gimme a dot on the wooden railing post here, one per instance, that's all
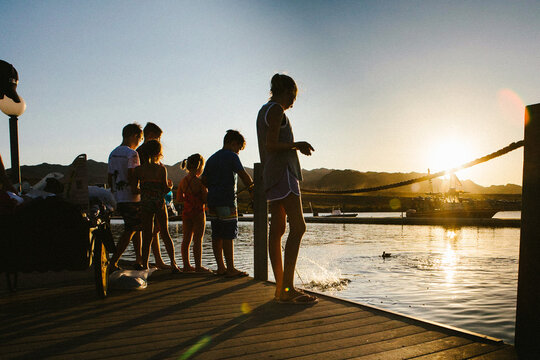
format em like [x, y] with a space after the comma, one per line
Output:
[260, 226]
[527, 335]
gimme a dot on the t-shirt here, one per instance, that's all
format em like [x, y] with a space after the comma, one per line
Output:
[220, 173]
[120, 160]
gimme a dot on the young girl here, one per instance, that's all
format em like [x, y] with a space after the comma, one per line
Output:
[281, 174]
[192, 193]
[151, 177]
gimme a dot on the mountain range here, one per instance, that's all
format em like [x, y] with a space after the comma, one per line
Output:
[321, 179]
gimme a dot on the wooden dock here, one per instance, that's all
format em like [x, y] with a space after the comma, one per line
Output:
[58, 316]
[511, 223]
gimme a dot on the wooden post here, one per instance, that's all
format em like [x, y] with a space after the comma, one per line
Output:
[527, 334]
[14, 142]
[260, 226]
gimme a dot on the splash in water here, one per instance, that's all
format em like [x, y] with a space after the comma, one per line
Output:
[317, 277]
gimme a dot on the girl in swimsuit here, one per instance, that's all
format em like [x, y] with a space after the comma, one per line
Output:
[151, 178]
[192, 193]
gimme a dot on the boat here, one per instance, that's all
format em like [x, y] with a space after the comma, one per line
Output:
[335, 213]
[338, 213]
[450, 205]
[453, 213]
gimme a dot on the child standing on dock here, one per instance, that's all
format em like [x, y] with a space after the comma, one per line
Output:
[152, 132]
[192, 193]
[281, 176]
[122, 163]
[153, 182]
[220, 177]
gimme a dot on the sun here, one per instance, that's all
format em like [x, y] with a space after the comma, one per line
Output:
[449, 153]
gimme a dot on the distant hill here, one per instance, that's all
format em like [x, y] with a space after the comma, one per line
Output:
[322, 179]
[325, 179]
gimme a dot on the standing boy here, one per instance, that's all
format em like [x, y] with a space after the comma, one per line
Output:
[220, 177]
[122, 162]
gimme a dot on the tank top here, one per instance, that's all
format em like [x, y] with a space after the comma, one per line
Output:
[276, 162]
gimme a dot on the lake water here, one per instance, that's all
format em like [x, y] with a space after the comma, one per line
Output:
[464, 277]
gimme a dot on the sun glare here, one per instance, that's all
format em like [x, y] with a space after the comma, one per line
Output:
[449, 153]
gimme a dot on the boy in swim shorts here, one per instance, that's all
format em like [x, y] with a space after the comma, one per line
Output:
[219, 176]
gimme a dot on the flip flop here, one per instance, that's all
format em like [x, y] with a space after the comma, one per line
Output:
[216, 273]
[300, 299]
[238, 274]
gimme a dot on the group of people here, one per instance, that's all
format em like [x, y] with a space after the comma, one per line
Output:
[139, 183]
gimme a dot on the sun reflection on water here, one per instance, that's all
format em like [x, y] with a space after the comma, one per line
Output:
[448, 263]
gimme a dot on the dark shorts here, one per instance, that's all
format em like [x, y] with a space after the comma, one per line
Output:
[287, 185]
[130, 212]
[224, 222]
[224, 229]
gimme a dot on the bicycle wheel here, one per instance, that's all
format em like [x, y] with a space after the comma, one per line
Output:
[101, 266]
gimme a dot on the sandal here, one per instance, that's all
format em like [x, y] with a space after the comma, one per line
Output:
[300, 299]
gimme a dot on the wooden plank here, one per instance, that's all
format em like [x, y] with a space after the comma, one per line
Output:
[422, 348]
[461, 352]
[195, 326]
[311, 345]
[506, 353]
[212, 318]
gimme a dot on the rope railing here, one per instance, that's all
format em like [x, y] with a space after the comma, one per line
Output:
[493, 155]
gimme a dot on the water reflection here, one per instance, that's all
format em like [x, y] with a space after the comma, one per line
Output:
[465, 277]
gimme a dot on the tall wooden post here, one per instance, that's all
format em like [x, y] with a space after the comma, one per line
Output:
[527, 335]
[260, 226]
[14, 142]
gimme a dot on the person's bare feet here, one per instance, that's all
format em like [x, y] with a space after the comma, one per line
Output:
[162, 266]
[235, 273]
[202, 269]
[187, 269]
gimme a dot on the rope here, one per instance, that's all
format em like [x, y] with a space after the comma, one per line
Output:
[504, 150]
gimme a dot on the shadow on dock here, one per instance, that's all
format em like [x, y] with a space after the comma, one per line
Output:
[58, 316]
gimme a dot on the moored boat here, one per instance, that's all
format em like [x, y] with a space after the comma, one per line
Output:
[338, 213]
[453, 213]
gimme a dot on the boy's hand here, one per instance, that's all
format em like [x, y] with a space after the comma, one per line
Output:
[304, 147]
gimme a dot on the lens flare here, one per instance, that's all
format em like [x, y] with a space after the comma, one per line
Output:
[395, 204]
[511, 106]
[198, 346]
[246, 309]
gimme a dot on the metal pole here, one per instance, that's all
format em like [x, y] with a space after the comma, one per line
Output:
[14, 142]
[527, 333]
[260, 226]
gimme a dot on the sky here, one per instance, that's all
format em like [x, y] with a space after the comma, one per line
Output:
[388, 86]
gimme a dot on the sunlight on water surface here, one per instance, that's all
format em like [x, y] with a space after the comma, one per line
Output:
[464, 277]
